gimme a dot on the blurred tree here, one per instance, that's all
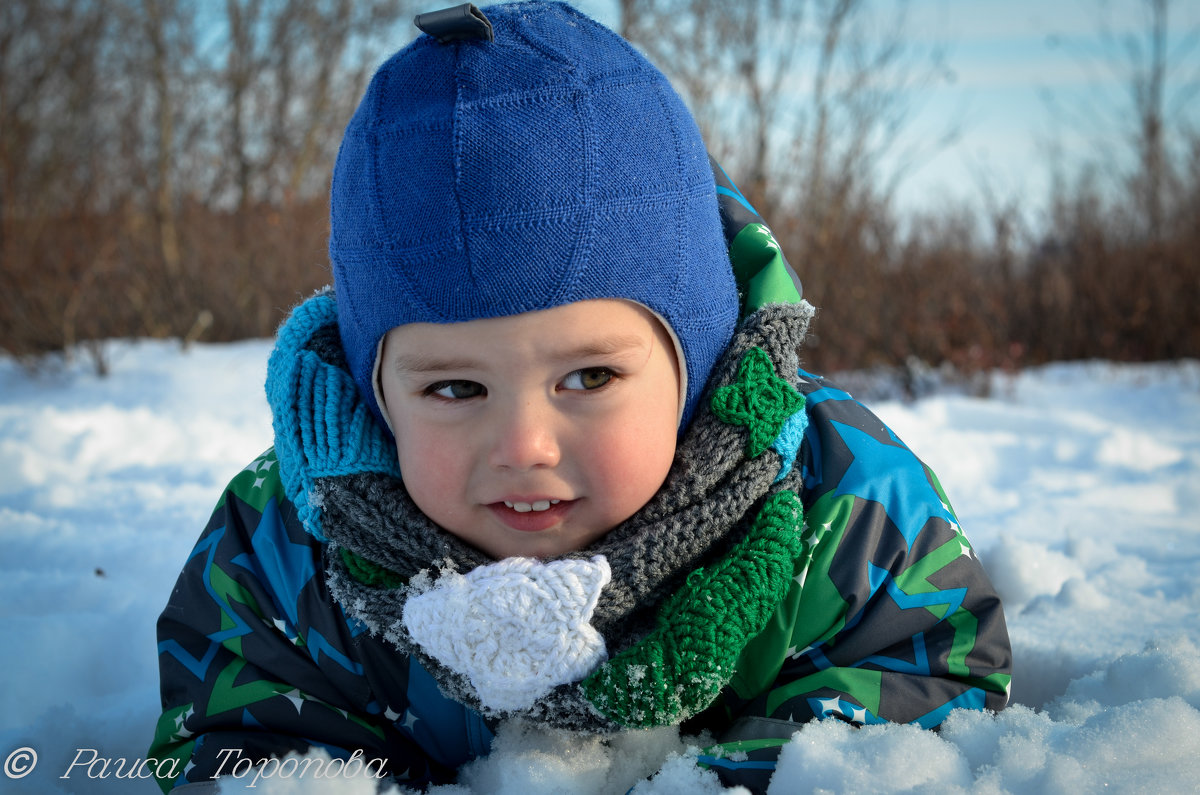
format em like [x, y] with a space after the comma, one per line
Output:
[802, 99]
[164, 164]
[1122, 241]
[164, 169]
[803, 102]
[54, 161]
[1139, 118]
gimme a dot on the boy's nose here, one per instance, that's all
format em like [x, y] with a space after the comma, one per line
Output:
[524, 438]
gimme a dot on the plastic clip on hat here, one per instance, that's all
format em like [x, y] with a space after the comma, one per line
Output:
[521, 158]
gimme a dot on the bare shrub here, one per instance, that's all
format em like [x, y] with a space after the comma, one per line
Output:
[158, 181]
[156, 184]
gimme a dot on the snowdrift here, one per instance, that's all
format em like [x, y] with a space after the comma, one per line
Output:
[1078, 484]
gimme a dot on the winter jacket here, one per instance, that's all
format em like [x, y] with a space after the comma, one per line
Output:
[801, 563]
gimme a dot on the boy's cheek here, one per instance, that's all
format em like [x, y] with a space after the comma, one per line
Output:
[634, 463]
[429, 462]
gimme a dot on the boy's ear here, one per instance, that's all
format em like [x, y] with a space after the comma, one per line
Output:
[763, 274]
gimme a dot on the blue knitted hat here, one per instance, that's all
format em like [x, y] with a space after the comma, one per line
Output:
[553, 164]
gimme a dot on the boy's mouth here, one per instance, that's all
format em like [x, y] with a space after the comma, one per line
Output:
[526, 507]
[532, 516]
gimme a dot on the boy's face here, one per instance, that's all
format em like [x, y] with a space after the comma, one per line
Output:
[535, 434]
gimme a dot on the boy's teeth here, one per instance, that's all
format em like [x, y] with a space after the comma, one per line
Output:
[526, 507]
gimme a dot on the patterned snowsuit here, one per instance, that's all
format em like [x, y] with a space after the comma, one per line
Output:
[843, 588]
[886, 616]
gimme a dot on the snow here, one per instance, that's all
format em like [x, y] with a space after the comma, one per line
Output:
[1078, 484]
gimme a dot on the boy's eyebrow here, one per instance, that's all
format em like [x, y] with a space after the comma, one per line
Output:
[423, 363]
[601, 346]
[420, 363]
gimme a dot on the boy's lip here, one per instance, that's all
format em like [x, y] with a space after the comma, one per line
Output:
[530, 521]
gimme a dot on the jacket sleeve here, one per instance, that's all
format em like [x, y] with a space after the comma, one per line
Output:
[255, 658]
[894, 619]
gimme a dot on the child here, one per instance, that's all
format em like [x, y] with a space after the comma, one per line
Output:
[538, 455]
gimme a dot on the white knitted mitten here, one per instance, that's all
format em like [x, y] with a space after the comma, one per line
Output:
[516, 628]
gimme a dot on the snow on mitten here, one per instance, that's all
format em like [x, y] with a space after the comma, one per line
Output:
[516, 628]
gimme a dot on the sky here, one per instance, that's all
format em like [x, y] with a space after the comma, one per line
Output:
[1030, 75]
[1023, 71]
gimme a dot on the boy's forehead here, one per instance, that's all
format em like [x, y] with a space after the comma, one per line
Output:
[606, 324]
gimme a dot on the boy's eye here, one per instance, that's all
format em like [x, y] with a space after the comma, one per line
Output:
[456, 390]
[588, 378]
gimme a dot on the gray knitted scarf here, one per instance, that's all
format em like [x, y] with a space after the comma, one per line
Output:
[720, 504]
